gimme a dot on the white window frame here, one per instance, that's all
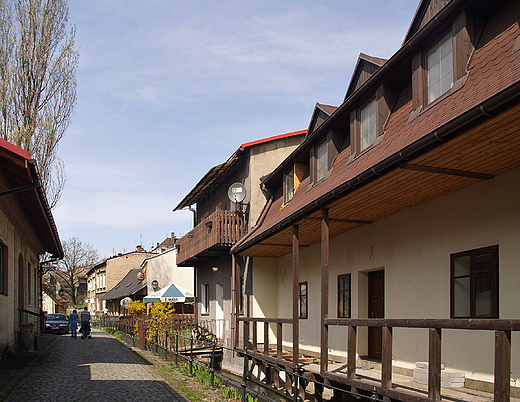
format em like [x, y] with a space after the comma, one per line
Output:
[368, 125]
[440, 68]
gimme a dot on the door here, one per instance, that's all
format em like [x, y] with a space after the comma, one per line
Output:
[376, 309]
[219, 311]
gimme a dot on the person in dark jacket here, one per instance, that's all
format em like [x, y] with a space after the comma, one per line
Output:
[85, 323]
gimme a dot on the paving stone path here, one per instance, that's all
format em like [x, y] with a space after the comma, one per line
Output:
[88, 370]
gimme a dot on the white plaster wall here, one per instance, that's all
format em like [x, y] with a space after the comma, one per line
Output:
[265, 295]
[163, 268]
[414, 247]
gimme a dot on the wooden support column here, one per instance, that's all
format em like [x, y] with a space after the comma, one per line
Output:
[266, 338]
[245, 334]
[502, 366]
[255, 336]
[351, 357]
[279, 335]
[434, 365]
[325, 244]
[386, 369]
[296, 274]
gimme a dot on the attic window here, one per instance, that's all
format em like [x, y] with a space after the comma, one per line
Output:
[289, 186]
[368, 132]
[321, 161]
[292, 180]
[440, 68]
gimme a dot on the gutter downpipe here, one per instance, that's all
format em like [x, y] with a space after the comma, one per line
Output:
[441, 135]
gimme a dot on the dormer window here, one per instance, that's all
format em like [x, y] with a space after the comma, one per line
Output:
[439, 60]
[368, 132]
[289, 186]
[321, 161]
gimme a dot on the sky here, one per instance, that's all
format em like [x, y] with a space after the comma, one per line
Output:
[167, 89]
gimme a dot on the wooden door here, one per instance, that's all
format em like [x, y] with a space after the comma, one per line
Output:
[376, 309]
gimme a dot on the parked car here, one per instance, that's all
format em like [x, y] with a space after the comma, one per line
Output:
[57, 323]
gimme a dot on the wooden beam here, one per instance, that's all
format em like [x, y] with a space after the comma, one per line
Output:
[451, 172]
[266, 338]
[502, 389]
[279, 335]
[340, 220]
[325, 250]
[386, 358]
[296, 274]
[351, 350]
[434, 365]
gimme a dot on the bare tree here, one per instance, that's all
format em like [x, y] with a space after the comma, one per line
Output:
[78, 258]
[38, 63]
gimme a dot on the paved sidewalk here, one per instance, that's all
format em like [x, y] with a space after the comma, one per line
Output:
[97, 369]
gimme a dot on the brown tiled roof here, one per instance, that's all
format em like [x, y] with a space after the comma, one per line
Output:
[494, 72]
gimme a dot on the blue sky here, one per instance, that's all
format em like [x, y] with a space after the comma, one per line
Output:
[168, 89]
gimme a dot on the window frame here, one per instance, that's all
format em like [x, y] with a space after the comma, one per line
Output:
[372, 101]
[324, 159]
[303, 300]
[204, 298]
[473, 275]
[4, 270]
[342, 293]
[438, 43]
[286, 187]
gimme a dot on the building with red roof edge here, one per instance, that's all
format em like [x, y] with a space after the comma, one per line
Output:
[226, 203]
[27, 231]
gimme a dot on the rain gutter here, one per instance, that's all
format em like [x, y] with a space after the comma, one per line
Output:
[483, 111]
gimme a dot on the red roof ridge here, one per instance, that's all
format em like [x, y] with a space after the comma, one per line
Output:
[14, 149]
[273, 138]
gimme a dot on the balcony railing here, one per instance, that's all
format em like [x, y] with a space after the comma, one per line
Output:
[216, 233]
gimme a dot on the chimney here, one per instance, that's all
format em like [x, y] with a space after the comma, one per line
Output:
[139, 249]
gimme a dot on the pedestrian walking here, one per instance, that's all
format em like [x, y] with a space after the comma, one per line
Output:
[73, 323]
[85, 323]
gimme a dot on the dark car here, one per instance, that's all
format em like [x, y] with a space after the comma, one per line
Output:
[57, 323]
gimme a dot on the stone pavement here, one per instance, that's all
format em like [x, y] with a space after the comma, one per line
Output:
[97, 369]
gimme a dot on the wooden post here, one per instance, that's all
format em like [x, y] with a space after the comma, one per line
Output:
[279, 340]
[324, 355]
[434, 365]
[255, 336]
[234, 312]
[502, 366]
[266, 338]
[296, 269]
[386, 370]
[351, 357]
[245, 335]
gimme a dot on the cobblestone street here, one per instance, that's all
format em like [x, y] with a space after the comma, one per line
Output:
[101, 368]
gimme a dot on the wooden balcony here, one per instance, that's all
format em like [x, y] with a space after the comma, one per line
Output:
[215, 235]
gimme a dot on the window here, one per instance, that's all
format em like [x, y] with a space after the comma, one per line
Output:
[204, 298]
[439, 64]
[368, 131]
[241, 298]
[321, 161]
[474, 283]
[302, 297]
[289, 186]
[3, 269]
[344, 296]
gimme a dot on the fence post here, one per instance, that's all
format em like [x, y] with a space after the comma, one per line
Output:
[244, 374]
[191, 356]
[176, 349]
[212, 385]
[296, 382]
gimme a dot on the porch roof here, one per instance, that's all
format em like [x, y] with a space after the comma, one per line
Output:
[468, 136]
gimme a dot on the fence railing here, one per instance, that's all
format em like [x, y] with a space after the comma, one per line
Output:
[502, 367]
[220, 229]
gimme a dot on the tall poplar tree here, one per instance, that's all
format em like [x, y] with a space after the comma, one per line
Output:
[38, 62]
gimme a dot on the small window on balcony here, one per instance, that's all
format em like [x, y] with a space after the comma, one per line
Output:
[303, 300]
[204, 298]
